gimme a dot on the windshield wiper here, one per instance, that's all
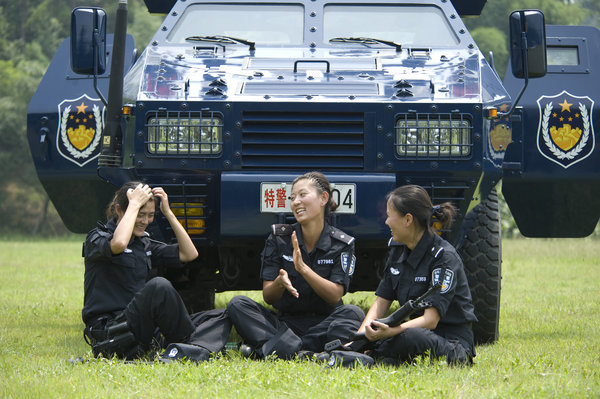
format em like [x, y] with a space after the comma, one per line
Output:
[366, 40]
[221, 39]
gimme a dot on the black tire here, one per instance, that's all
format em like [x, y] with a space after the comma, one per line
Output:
[481, 251]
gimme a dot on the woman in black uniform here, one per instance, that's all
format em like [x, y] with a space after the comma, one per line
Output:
[306, 269]
[118, 291]
[418, 259]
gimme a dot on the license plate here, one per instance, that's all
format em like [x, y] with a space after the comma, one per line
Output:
[274, 197]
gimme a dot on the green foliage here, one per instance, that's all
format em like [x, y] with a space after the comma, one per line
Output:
[30, 33]
[494, 40]
[548, 347]
[490, 30]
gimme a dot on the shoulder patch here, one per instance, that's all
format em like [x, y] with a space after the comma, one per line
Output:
[282, 229]
[341, 236]
[348, 262]
[447, 280]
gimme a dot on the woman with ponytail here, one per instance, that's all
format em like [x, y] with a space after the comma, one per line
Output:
[306, 269]
[419, 259]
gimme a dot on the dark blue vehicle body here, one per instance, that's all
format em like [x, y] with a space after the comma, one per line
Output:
[222, 124]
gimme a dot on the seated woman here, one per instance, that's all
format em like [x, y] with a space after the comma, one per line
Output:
[306, 269]
[444, 329]
[118, 291]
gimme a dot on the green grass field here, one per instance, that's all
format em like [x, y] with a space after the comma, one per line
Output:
[549, 339]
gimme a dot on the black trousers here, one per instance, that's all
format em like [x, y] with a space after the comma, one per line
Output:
[268, 332]
[159, 306]
[414, 342]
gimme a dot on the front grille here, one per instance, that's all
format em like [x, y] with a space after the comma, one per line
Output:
[451, 192]
[189, 203]
[303, 140]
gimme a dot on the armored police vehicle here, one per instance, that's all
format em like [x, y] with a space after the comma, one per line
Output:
[231, 100]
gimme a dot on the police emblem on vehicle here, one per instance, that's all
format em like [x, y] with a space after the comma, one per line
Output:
[80, 123]
[565, 132]
[446, 282]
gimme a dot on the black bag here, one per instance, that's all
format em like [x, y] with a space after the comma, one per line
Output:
[349, 359]
[189, 352]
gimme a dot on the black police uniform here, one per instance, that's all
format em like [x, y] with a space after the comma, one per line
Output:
[306, 322]
[408, 274]
[119, 287]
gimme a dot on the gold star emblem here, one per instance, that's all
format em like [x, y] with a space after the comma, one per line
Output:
[81, 108]
[565, 106]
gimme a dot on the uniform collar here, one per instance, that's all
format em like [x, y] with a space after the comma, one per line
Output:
[324, 242]
[416, 255]
[111, 225]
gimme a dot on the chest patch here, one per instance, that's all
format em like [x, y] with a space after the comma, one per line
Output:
[127, 251]
[288, 258]
[447, 281]
[325, 262]
[420, 279]
[394, 271]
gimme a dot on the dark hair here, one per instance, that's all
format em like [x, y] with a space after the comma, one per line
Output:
[121, 199]
[414, 199]
[320, 182]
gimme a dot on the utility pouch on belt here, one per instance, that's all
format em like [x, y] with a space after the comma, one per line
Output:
[112, 337]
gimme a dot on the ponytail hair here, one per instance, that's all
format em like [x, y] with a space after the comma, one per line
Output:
[121, 199]
[414, 199]
[322, 185]
[444, 214]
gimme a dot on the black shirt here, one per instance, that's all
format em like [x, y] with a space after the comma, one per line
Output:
[408, 274]
[111, 281]
[332, 258]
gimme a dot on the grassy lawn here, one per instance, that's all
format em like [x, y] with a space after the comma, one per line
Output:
[549, 339]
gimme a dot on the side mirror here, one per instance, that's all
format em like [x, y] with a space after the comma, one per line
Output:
[88, 41]
[528, 44]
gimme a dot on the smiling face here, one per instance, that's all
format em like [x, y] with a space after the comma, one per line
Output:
[398, 224]
[306, 202]
[144, 217]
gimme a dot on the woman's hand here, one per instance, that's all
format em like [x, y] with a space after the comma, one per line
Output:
[164, 199]
[285, 281]
[139, 196]
[375, 330]
[299, 264]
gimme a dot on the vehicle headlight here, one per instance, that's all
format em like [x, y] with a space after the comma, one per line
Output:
[181, 133]
[433, 137]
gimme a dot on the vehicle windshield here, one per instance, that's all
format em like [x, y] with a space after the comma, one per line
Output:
[269, 24]
[410, 26]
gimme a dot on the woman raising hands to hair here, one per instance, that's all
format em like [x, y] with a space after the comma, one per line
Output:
[119, 288]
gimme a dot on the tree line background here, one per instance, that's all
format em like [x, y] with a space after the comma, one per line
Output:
[32, 30]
